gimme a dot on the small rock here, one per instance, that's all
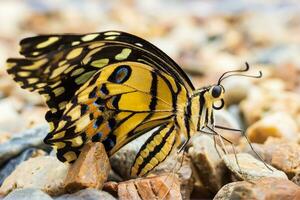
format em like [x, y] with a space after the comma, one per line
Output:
[207, 162]
[87, 194]
[113, 176]
[236, 89]
[45, 173]
[249, 168]
[10, 166]
[284, 155]
[261, 102]
[27, 194]
[20, 142]
[158, 187]
[279, 125]
[226, 119]
[181, 165]
[9, 117]
[262, 189]
[111, 187]
[90, 170]
[296, 178]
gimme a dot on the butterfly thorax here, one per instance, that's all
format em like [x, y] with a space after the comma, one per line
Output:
[200, 108]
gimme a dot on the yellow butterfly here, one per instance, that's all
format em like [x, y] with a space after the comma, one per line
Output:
[113, 87]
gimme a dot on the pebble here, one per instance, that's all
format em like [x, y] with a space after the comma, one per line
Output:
[90, 170]
[207, 162]
[181, 165]
[249, 168]
[30, 138]
[165, 186]
[280, 125]
[284, 155]
[10, 166]
[87, 194]
[266, 188]
[27, 194]
[45, 173]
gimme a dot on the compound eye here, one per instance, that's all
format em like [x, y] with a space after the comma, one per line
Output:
[216, 91]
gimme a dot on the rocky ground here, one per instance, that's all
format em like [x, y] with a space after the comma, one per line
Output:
[206, 38]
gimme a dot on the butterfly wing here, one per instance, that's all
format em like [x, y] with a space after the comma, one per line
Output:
[119, 103]
[58, 65]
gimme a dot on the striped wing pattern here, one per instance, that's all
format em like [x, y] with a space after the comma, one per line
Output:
[109, 87]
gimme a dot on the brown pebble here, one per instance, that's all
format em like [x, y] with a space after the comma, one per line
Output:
[111, 187]
[90, 170]
[265, 189]
[165, 186]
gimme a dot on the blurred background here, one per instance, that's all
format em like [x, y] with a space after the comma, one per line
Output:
[204, 37]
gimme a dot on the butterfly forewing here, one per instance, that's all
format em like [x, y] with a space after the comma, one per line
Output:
[109, 87]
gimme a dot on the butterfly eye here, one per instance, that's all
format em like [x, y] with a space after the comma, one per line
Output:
[216, 91]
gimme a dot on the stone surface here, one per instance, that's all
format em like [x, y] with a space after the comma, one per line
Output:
[267, 101]
[111, 187]
[226, 119]
[45, 173]
[179, 164]
[90, 170]
[296, 178]
[283, 154]
[87, 194]
[165, 186]
[20, 142]
[249, 168]
[279, 125]
[27, 194]
[207, 162]
[10, 166]
[262, 189]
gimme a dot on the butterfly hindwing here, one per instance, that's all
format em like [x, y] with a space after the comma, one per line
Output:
[114, 107]
[155, 150]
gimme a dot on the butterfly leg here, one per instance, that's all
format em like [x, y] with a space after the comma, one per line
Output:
[248, 141]
[221, 138]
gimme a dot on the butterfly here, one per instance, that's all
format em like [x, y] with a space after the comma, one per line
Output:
[112, 87]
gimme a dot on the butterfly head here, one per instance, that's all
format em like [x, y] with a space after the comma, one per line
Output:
[212, 97]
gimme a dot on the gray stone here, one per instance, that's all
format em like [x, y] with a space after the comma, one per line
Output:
[27, 194]
[44, 172]
[246, 167]
[10, 166]
[87, 194]
[30, 138]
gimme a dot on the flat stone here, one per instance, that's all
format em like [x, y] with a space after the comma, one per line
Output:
[250, 168]
[179, 164]
[27, 194]
[10, 166]
[266, 188]
[284, 155]
[45, 173]
[87, 194]
[165, 186]
[21, 141]
[90, 170]
[207, 162]
[280, 125]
